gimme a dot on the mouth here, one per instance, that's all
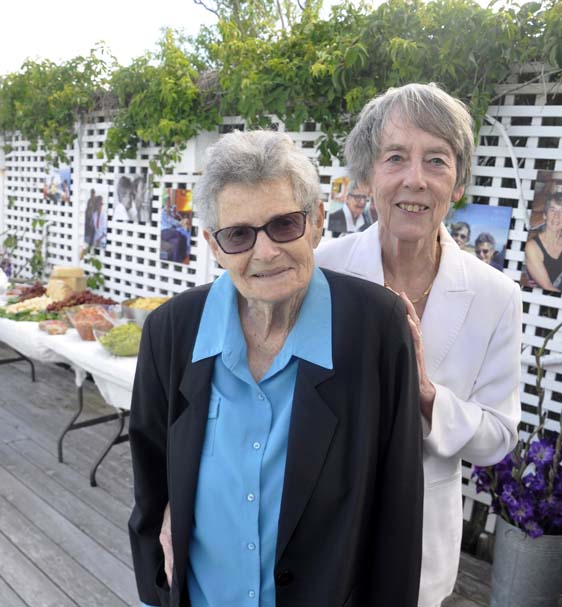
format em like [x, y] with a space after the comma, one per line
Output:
[270, 273]
[412, 207]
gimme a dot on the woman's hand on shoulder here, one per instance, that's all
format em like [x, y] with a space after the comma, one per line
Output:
[166, 543]
[427, 389]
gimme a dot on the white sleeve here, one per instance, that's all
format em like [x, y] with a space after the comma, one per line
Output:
[483, 429]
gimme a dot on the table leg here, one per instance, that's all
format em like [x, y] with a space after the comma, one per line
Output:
[115, 440]
[20, 357]
[70, 425]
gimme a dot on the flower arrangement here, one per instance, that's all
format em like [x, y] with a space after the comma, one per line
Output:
[526, 486]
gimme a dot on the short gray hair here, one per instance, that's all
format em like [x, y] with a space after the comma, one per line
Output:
[425, 106]
[484, 237]
[251, 158]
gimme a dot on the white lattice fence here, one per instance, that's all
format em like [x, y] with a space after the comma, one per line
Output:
[523, 135]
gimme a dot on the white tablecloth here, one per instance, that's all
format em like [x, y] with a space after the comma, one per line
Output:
[113, 375]
[26, 338]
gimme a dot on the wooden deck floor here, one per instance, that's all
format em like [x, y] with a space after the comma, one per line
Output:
[62, 542]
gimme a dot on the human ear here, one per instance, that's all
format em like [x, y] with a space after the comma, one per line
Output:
[457, 193]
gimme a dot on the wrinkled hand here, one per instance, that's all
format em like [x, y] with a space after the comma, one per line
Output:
[166, 543]
[427, 389]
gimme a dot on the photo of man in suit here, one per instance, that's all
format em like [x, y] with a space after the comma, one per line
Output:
[354, 214]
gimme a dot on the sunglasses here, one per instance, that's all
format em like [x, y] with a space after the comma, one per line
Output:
[284, 228]
[460, 235]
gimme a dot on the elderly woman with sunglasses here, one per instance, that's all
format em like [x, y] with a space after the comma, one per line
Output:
[413, 147]
[276, 410]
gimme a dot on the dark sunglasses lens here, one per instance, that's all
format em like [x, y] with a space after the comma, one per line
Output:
[287, 227]
[236, 239]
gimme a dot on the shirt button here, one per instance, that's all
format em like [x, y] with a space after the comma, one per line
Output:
[256, 445]
[252, 594]
[251, 546]
[250, 497]
[261, 396]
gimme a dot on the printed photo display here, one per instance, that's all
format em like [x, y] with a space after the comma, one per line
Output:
[481, 230]
[351, 208]
[95, 218]
[175, 225]
[56, 187]
[132, 198]
[543, 251]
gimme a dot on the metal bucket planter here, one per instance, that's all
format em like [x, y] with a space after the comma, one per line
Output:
[526, 572]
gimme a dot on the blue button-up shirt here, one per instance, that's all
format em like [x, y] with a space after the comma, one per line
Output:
[234, 536]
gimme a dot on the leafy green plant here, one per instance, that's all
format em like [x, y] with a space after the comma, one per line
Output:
[44, 100]
[96, 279]
[36, 262]
[272, 60]
[161, 103]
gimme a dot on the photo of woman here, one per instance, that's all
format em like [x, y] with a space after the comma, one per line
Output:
[543, 251]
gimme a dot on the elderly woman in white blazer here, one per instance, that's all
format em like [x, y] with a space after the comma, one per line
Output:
[413, 146]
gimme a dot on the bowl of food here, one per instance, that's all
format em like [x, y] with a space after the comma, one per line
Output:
[122, 339]
[86, 318]
[139, 308]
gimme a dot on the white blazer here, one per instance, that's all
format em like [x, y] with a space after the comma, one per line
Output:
[471, 330]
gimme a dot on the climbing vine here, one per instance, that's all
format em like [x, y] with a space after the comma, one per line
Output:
[301, 68]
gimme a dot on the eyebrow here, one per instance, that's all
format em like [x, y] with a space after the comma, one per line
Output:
[397, 147]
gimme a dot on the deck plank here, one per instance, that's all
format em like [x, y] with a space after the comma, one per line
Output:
[50, 558]
[94, 558]
[69, 521]
[8, 597]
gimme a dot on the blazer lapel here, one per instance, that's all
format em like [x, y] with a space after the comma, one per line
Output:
[364, 258]
[313, 425]
[186, 437]
[447, 305]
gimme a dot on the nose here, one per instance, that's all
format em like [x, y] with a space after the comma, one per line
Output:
[414, 178]
[265, 248]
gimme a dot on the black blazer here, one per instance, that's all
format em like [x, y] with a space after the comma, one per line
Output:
[350, 525]
[337, 223]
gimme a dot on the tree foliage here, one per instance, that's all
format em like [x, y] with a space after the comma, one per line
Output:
[43, 100]
[276, 58]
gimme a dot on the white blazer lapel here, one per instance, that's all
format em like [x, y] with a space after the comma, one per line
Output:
[447, 305]
[364, 258]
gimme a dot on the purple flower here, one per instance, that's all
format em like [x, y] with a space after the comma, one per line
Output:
[535, 481]
[541, 453]
[510, 494]
[520, 510]
[482, 478]
[533, 529]
[550, 507]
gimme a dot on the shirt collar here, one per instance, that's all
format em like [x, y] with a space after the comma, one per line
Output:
[310, 339]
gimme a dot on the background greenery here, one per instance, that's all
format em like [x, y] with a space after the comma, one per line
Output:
[276, 57]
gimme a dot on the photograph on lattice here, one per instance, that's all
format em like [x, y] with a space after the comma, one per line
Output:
[95, 218]
[56, 187]
[543, 251]
[481, 230]
[350, 207]
[132, 199]
[175, 225]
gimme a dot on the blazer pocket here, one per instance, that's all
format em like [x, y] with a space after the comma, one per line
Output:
[211, 428]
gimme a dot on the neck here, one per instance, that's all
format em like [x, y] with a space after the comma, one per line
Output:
[262, 321]
[409, 265]
[551, 237]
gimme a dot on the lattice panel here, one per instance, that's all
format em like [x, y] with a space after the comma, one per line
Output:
[523, 136]
[22, 201]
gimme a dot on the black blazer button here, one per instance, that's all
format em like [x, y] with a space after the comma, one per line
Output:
[284, 578]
